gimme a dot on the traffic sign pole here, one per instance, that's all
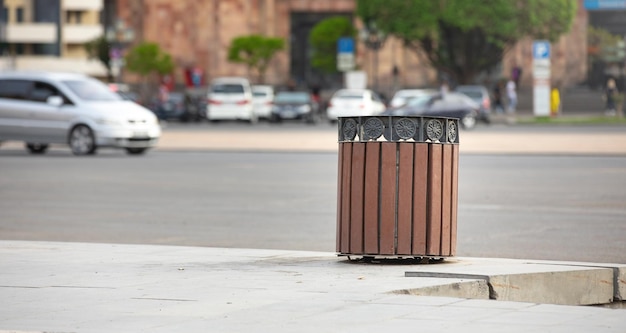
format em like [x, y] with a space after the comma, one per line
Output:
[541, 78]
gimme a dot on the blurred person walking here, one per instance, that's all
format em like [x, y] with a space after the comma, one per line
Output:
[498, 104]
[511, 94]
[610, 94]
[555, 102]
[516, 74]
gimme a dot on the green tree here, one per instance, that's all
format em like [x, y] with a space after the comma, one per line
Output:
[150, 62]
[255, 51]
[599, 41]
[147, 58]
[323, 39]
[463, 38]
[99, 48]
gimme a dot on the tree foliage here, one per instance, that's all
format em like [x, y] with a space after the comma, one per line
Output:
[463, 38]
[99, 48]
[255, 51]
[148, 58]
[323, 39]
[599, 41]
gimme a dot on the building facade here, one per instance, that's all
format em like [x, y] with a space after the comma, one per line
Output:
[50, 35]
[198, 33]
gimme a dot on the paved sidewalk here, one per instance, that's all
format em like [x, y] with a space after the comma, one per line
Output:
[611, 143]
[77, 287]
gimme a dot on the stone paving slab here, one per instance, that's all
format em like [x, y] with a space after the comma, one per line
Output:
[79, 287]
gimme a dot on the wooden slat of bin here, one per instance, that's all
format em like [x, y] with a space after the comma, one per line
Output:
[433, 238]
[405, 197]
[345, 196]
[446, 199]
[388, 198]
[455, 198]
[356, 200]
[371, 195]
[339, 183]
[420, 187]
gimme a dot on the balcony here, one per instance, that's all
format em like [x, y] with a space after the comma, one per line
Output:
[80, 34]
[30, 33]
[82, 5]
[46, 63]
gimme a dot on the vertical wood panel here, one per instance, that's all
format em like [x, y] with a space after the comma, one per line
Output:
[405, 197]
[446, 199]
[356, 200]
[388, 198]
[339, 184]
[433, 239]
[455, 199]
[420, 187]
[345, 197]
[372, 174]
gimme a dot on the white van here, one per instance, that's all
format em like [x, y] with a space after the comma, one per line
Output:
[47, 108]
[262, 99]
[230, 98]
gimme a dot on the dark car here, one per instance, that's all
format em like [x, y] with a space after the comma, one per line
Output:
[480, 95]
[294, 105]
[450, 104]
[172, 108]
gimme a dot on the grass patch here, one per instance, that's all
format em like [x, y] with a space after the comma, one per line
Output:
[565, 120]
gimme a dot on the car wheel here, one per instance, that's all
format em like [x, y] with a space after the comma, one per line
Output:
[469, 121]
[274, 119]
[36, 148]
[82, 141]
[311, 119]
[253, 119]
[136, 151]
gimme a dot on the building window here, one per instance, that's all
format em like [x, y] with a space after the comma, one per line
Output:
[4, 14]
[74, 17]
[19, 14]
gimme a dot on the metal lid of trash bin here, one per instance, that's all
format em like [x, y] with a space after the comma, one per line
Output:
[399, 129]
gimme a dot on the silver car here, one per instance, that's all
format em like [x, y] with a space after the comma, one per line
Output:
[47, 108]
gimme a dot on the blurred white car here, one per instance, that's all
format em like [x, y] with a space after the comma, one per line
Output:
[262, 98]
[402, 96]
[354, 102]
[230, 98]
[45, 108]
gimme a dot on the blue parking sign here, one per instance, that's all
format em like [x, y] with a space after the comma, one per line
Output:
[541, 49]
[345, 45]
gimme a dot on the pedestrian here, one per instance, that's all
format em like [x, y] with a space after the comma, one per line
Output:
[498, 105]
[516, 74]
[555, 101]
[610, 93]
[445, 87]
[511, 94]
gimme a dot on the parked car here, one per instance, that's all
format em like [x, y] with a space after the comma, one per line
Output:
[172, 108]
[262, 98]
[451, 104]
[480, 95]
[354, 102]
[402, 96]
[46, 108]
[294, 105]
[195, 106]
[230, 98]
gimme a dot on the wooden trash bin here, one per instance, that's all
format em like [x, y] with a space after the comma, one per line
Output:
[397, 186]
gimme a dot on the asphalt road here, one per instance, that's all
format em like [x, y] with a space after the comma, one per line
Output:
[537, 206]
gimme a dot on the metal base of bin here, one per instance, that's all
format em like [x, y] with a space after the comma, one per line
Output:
[393, 260]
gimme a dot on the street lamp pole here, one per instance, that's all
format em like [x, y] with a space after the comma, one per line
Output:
[374, 39]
